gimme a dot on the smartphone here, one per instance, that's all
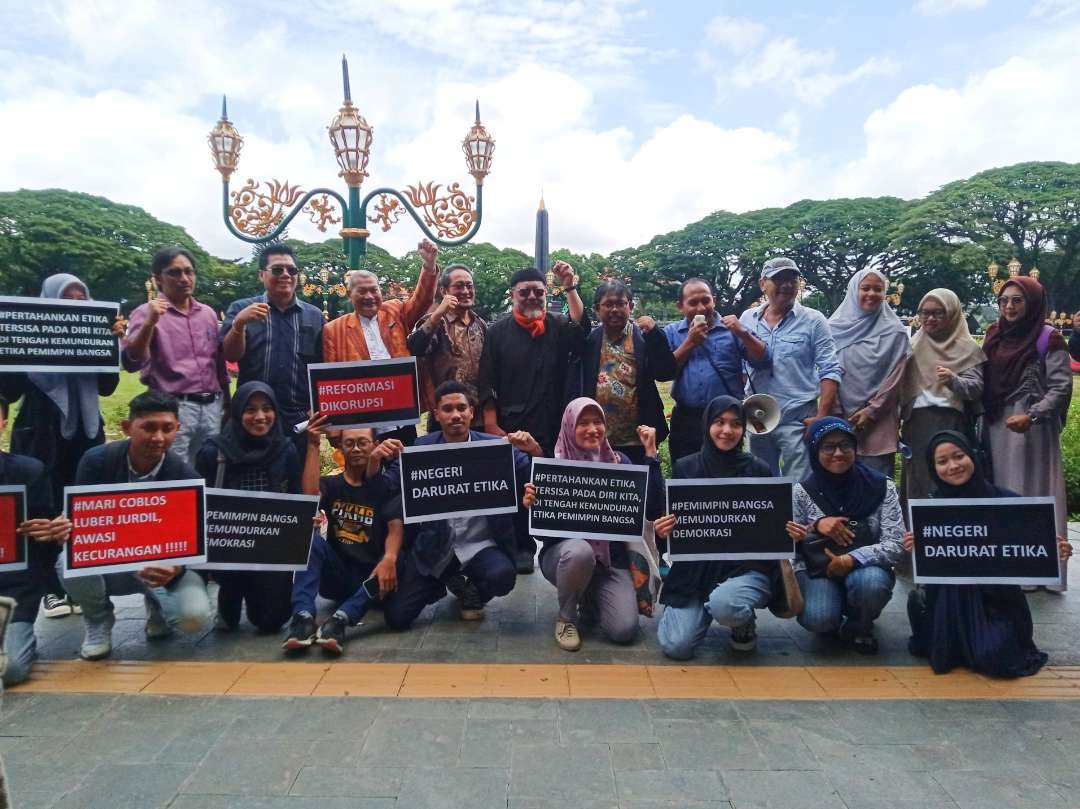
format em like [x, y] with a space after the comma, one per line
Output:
[371, 587]
[699, 320]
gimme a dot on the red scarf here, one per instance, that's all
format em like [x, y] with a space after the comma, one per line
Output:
[535, 327]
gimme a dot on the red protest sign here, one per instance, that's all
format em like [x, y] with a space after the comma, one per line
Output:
[120, 527]
[12, 513]
[373, 393]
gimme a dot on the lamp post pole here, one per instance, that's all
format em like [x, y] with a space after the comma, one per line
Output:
[259, 213]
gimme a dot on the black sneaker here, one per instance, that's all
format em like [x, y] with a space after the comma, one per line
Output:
[301, 632]
[744, 638]
[472, 606]
[457, 584]
[331, 635]
[56, 606]
[524, 563]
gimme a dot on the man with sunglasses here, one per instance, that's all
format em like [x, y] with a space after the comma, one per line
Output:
[172, 341]
[523, 369]
[274, 336]
[450, 340]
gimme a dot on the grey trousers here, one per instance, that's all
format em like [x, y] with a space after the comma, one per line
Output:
[197, 423]
[572, 568]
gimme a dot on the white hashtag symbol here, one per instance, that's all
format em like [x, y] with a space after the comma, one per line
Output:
[926, 532]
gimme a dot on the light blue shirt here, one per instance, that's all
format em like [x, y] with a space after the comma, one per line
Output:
[713, 368]
[803, 354]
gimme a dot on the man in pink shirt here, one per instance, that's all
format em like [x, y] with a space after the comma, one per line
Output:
[173, 342]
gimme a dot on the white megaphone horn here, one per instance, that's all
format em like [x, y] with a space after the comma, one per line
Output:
[762, 413]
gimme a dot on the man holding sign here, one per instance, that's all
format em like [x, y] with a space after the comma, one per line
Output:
[23, 514]
[471, 555]
[175, 597]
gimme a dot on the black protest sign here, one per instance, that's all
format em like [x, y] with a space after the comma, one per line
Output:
[466, 479]
[1000, 540]
[371, 393]
[730, 518]
[586, 500]
[12, 543]
[258, 530]
[45, 334]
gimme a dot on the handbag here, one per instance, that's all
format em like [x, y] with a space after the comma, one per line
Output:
[787, 600]
[814, 545]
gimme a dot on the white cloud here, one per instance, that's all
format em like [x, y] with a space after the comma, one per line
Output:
[737, 34]
[1055, 10]
[930, 135]
[937, 8]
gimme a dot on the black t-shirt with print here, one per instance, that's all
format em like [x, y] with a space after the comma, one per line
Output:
[356, 518]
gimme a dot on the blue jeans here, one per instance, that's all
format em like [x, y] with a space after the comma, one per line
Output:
[732, 604]
[859, 598]
[20, 647]
[334, 578]
[785, 445]
[183, 602]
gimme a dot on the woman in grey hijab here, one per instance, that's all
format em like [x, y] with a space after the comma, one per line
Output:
[873, 349]
[59, 419]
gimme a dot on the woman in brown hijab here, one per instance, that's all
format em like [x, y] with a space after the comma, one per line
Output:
[1026, 396]
[942, 385]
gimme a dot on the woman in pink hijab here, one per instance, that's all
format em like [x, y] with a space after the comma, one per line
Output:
[595, 572]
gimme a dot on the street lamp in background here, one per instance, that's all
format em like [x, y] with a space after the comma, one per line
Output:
[259, 213]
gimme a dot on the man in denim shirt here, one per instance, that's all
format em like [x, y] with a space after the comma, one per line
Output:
[804, 377]
[710, 359]
[274, 336]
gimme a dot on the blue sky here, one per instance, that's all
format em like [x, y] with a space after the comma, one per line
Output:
[635, 117]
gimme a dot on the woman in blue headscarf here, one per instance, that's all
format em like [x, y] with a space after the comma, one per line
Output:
[850, 530]
[59, 419]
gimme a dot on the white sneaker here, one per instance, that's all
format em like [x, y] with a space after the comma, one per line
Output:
[97, 642]
[156, 625]
[566, 635]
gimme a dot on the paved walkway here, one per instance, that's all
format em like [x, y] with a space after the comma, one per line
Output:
[493, 715]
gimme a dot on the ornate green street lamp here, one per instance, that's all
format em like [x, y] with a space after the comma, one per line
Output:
[258, 214]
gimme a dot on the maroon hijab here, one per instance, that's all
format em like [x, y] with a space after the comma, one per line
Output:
[1009, 347]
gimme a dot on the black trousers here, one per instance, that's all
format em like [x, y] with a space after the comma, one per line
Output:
[268, 596]
[686, 434]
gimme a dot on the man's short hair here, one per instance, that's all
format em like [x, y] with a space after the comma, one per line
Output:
[153, 401]
[693, 280]
[444, 279]
[165, 256]
[449, 387]
[275, 249]
[356, 275]
[3, 408]
[612, 287]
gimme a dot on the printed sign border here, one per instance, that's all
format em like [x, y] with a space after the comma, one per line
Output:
[19, 491]
[365, 364]
[259, 567]
[475, 512]
[65, 369]
[608, 537]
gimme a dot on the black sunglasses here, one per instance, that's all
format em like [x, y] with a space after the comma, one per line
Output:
[278, 269]
[530, 292]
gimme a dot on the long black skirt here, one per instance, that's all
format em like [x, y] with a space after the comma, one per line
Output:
[983, 628]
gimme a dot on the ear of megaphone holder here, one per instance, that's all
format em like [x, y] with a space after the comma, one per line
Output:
[762, 413]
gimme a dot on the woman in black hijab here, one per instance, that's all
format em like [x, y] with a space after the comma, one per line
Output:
[697, 593]
[252, 453]
[986, 628]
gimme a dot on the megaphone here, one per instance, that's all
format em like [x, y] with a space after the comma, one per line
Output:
[762, 413]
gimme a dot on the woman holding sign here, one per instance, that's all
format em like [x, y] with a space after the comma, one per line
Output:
[850, 533]
[986, 628]
[1026, 397]
[252, 454]
[594, 573]
[700, 592]
[59, 419]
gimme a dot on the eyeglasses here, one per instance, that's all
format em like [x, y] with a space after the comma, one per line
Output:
[932, 314]
[1010, 300]
[622, 303]
[177, 272]
[462, 285]
[833, 447]
[279, 269]
[530, 292]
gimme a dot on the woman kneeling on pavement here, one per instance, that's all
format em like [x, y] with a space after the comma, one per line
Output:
[252, 453]
[986, 628]
[849, 532]
[593, 576]
[697, 593]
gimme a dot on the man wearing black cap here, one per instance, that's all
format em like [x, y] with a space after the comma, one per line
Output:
[523, 368]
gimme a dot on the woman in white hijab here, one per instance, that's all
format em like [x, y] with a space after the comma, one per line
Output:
[942, 385]
[872, 347]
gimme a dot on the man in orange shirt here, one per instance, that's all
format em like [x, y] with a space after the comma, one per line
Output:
[377, 329]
